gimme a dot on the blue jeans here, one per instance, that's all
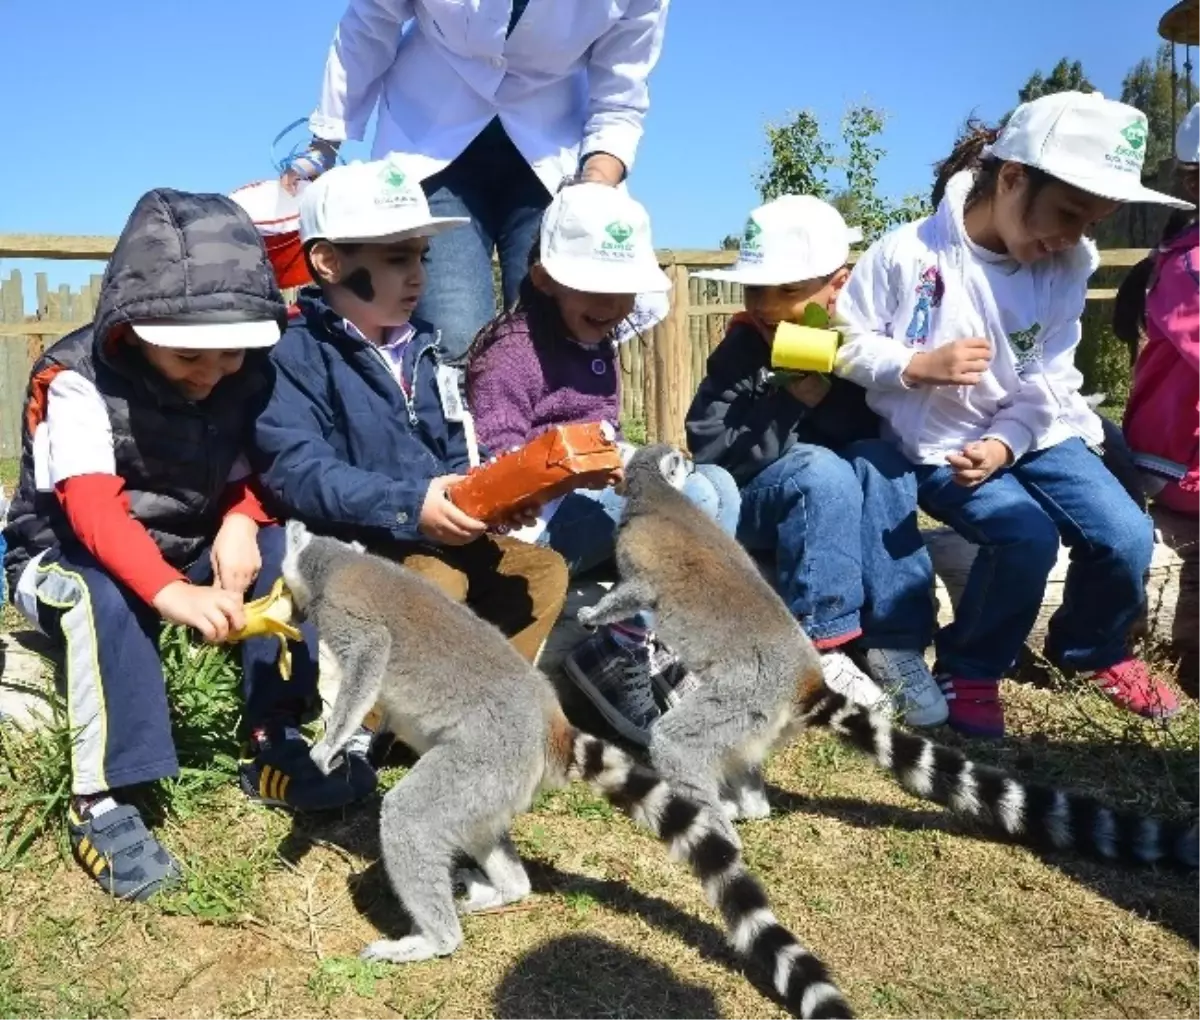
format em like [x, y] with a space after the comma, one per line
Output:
[1016, 518]
[583, 529]
[848, 551]
[492, 184]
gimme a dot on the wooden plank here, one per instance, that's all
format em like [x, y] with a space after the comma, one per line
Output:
[1123, 257]
[57, 326]
[672, 363]
[623, 390]
[649, 383]
[695, 335]
[637, 355]
[64, 302]
[1102, 294]
[716, 309]
[56, 246]
[15, 363]
[43, 288]
[97, 281]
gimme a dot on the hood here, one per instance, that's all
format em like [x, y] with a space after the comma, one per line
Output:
[187, 257]
[1080, 259]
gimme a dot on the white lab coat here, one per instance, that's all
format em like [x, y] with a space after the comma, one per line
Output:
[570, 80]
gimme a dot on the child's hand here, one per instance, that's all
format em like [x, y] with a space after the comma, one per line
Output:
[520, 519]
[214, 612]
[441, 521]
[961, 363]
[236, 560]
[810, 389]
[978, 462]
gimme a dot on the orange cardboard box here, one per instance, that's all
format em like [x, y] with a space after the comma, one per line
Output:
[565, 458]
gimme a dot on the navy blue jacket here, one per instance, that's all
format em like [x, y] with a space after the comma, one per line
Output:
[744, 423]
[340, 445]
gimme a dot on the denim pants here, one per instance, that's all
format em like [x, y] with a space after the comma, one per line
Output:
[583, 529]
[849, 556]
[1016, 518]
[492, 184]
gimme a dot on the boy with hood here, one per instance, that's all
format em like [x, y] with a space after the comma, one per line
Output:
[135, 506]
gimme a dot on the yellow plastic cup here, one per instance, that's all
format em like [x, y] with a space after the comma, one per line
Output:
[804, 348]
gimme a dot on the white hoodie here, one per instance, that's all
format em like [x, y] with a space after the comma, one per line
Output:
[925, 285]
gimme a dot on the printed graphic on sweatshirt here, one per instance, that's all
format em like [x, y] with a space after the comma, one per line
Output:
[929, 296]
[1026, 345]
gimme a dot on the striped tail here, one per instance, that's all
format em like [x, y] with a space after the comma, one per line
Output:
[797, 975]
[1039, 816]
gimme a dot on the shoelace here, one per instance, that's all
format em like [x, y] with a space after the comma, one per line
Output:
[638, 700]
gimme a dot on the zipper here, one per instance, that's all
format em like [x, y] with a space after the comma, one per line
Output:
[409, 401]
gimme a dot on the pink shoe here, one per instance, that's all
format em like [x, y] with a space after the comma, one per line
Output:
[975, 707]
[1132, 686]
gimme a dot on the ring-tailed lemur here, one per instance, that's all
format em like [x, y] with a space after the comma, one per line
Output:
[761, 684]
[490, 734]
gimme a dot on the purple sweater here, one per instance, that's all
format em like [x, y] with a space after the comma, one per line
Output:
[517, 391]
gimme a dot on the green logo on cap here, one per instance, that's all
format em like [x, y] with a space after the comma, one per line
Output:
[750, 236]
[394, 177]
[619, 231]
[1135, 135]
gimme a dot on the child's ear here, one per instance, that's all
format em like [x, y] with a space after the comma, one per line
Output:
[836, 283]
[542, 280]
[327, 261]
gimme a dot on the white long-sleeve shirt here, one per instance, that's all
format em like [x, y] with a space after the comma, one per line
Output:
[925, 285]
[568, 81]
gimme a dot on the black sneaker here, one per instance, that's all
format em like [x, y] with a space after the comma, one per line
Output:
[114, 846]
[281, 774]
[617, 681]
[672, 680]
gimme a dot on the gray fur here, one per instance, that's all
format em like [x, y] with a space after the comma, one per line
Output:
[717, 612]
[490, 734]
[761, 681]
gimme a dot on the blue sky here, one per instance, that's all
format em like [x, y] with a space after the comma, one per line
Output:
[107, 100]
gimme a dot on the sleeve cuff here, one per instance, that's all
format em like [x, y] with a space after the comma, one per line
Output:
[882, 369]
[1012, 434]
[152, 578]
[620, 141]
[332, 129]
[405, 513]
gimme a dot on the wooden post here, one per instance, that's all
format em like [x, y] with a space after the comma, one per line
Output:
[14, 366]
[672, 361]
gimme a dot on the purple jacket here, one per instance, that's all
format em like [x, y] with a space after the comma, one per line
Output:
[516, 391]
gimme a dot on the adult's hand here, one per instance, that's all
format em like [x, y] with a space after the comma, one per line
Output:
[601, 168]
[310, 164]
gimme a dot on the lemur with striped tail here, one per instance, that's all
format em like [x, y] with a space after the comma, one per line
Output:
[490, 734]
[760, 684]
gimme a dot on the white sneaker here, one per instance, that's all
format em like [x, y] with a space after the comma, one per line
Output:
[842, 676]
[909, 684]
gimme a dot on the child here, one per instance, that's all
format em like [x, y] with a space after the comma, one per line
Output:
[363, 433]
[839, 516]
[552, 360]
[134, 507]
[1162, 424]
[984, 399]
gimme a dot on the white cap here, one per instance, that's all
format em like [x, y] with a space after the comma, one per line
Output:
[1187, 138]
[790, 239]
[1082, 139]
[369, 203]
[596, 238]
[208, 336]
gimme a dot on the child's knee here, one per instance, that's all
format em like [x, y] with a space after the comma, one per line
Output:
[1037, 543]
[1129, 534]
[824, 477]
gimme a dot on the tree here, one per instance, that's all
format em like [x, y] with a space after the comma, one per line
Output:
[1148, 87]
[1065, 76]
[731, 242]
[801, 160]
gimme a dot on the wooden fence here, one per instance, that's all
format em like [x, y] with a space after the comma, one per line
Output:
[660, 370]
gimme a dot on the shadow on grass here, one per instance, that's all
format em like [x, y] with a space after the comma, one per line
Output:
[374, 900]
[586, 976]
[1128, 775]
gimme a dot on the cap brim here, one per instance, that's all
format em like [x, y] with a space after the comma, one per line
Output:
[1112, 190]
[209, 336]
[429, 228]
[764, 276]
[598, 278]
